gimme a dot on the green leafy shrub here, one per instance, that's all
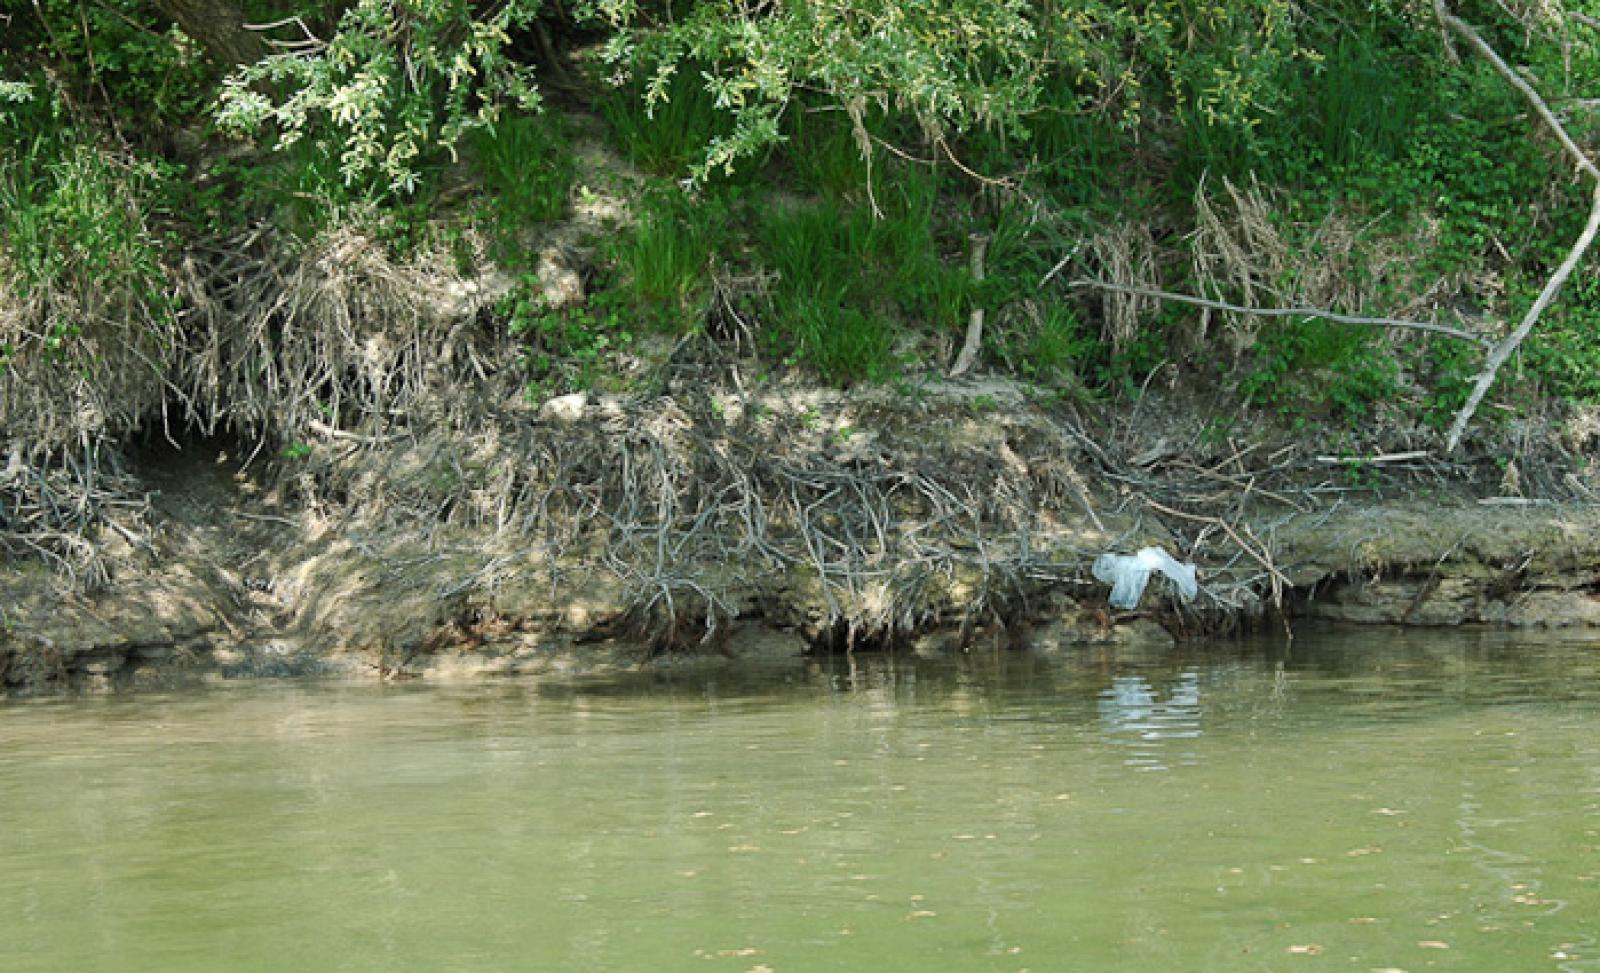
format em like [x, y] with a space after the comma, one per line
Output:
[88, 312]
[1565, 356]
[77, 217]
[119, 61]
[298, 188]
[394, 88]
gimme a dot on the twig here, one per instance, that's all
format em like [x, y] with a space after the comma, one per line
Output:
[1279, 580]
[1374, 460]
[1504, 349]
[1281, 312]
[1047, 278]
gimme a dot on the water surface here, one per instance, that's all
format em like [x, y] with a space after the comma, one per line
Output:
[1369, 801]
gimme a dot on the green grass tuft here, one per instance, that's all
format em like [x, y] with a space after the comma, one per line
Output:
[668, 134]
[527, 167]
[667, 259]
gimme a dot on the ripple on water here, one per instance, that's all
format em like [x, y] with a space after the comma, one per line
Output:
[1365, 797]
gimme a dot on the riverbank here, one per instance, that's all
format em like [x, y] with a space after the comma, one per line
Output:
[499, 452]
[719, 520]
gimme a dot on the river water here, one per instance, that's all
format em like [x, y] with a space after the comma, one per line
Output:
[1375, 800]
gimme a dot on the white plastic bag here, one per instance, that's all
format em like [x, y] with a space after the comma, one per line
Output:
[1127, 575]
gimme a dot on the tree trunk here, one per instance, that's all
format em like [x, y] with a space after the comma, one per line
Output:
[218, 27]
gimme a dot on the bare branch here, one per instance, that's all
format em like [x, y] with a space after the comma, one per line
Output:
[1477, 43]
[1501, 352]
[1375, 460]
[1282, 312]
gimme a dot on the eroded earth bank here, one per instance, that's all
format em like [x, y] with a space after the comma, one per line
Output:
[709, 522]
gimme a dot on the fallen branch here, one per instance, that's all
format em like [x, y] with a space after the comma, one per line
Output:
[1502, 351]
[1280, 312]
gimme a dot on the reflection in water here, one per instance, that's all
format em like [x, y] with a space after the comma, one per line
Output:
[1135, 716]
[1385, 801]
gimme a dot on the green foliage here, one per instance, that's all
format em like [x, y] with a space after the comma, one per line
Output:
[1333, 107]
[525, 166]
[849, 279]
[825, 154]
[397, 85]
[1068, 152]
[299, 187]
[1448, 369]
[115, 59]
[1097, 112]
[823, 149]
[1047, 347]
[1478, 172]
[1044, 342]
[841, 343]
[1566, 357]
[952, 67]
[667, 258]
[1356, 104]
[665, 125]
[88, 310]
[74, 217]
[964, 62]
[567, 349]
[1316, 367]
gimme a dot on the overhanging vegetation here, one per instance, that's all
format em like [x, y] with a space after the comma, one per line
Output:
[330, 223]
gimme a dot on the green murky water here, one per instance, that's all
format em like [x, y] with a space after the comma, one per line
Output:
[1372, 801]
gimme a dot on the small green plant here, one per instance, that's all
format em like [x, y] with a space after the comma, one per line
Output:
[1360, 476]
[850, 277]
[841, 343]
[296, 451]
[569, 348]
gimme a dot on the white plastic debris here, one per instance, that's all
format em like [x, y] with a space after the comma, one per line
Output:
[1127, 575]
